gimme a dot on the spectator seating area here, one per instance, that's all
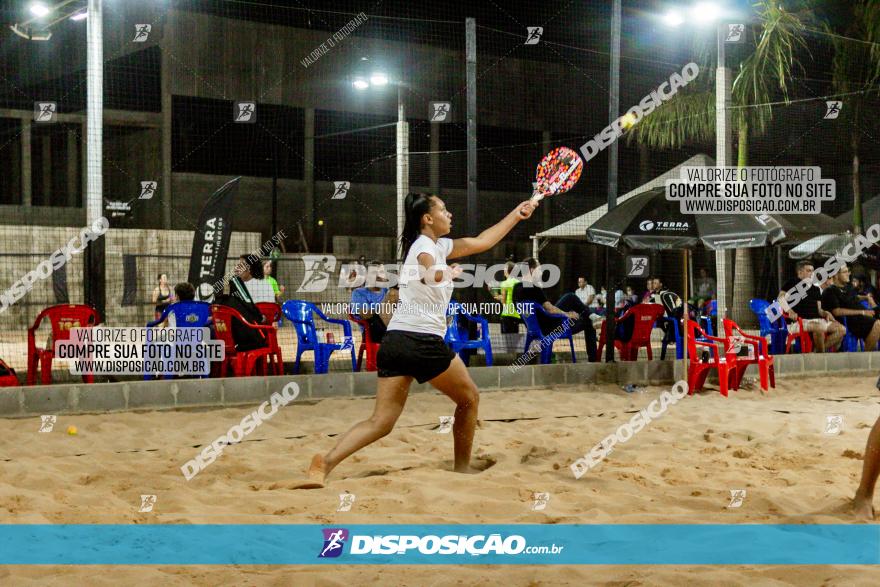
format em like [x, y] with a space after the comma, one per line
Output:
[466, 335]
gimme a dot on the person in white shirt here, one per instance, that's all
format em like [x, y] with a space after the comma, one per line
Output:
[585, 292]
[413, 346]
[250, 269]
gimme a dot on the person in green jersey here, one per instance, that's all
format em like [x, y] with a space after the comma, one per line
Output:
[267, 272]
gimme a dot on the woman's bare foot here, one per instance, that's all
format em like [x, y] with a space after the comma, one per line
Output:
[317, 475]
[468, 470]
[863, 509]
[477, 465]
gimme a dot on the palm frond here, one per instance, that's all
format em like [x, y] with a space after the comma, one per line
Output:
[686, 119]
[769, 68]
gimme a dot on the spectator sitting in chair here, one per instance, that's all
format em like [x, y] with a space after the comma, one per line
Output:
[251, 274]
[510, 318]
[649, 291]
[571, 307]
[598, 305]
[673, 306]
[580, 299]
[373, 302]
[841, 300]
[705, 287]
[239, 298]
[864, 289]
[278, 290]
[185, 292]
[585, 292]
[816, 321]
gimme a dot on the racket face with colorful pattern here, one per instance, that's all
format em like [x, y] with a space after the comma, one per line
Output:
[557, 173]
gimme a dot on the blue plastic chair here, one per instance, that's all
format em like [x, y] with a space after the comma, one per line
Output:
[709, 310]
[458, 338]
[777, 331]
[679, 343]
[850, 343]
[533, 332]
[301, 314]
[187, 314]
[679, 349]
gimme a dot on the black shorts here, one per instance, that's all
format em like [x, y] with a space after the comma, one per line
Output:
[859, 326]
[423, 356]
[510, 325]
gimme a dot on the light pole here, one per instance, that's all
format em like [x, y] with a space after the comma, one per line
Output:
[379, 79]
[613, 113]
[38, 28]
[708, 12]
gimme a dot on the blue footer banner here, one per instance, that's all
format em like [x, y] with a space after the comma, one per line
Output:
[532, 544]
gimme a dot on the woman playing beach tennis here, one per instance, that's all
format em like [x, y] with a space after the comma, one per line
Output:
[413, 346]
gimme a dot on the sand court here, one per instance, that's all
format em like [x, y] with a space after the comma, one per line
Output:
[681, 468]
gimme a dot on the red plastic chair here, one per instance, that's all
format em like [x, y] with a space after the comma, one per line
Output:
[802, 336]
[724, 363]
[762, 359]
[367, 344]
[242, 363]
[8, 378]
[272, 314]
[63, 317]
[645, 317]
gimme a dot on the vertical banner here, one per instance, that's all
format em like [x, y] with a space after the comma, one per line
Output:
[207, 261]
[129, 280]
[59, 285]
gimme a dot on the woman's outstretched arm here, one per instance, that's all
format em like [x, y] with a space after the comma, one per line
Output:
[462, 247]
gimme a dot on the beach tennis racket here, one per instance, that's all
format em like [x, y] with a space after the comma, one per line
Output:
[557, 173]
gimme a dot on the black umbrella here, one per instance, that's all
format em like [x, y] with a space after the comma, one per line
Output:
[650, 221]
[801, 227]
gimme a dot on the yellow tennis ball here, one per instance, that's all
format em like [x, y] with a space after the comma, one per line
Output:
[71, 430]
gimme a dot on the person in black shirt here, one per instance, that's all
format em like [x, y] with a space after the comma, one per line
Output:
[824, 329]
[527, 291]
[842, 301]
[864, 288]
[240, 299]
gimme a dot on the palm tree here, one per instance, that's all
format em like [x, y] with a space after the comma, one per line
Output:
[855, 68]
[689, 118]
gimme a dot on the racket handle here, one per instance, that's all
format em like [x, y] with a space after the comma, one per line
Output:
[536, 197]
